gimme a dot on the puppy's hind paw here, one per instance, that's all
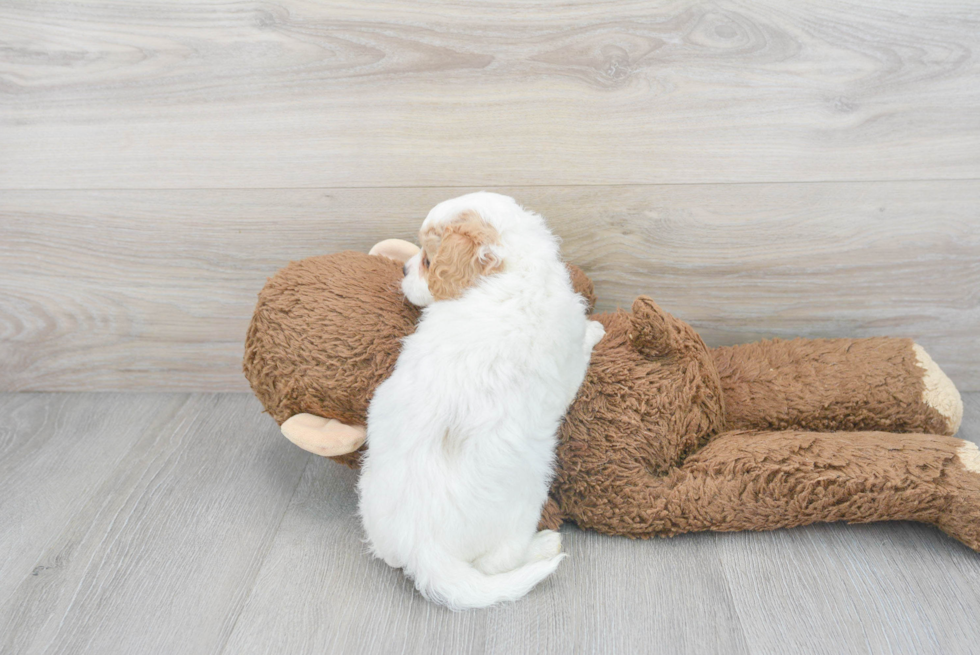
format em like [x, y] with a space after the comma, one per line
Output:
[545, 545]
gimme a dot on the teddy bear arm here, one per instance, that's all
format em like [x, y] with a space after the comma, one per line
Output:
[582, 285]
[770, 480]
[655, 333]
[836, 384]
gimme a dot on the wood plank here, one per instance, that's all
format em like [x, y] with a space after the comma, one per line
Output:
[891, 587]
[162, 556]
[153, 290]
[610, 595]
[56, 454]
[881, 588]
[302, 93]
[211, 534]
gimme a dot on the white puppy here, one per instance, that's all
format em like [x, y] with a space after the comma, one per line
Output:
[461, 438]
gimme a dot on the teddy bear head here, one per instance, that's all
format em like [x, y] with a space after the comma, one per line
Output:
[327, 331]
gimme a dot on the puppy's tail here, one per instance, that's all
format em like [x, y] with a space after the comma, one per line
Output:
[459, 585]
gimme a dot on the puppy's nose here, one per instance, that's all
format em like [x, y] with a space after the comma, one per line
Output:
[404, 269]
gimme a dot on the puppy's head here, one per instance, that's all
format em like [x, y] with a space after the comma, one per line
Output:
[458, 249]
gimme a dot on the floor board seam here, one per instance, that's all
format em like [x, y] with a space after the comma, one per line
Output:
[261, 562]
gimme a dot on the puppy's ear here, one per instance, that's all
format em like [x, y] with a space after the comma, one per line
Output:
[466, 252]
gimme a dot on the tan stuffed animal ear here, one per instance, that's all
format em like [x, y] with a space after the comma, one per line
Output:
[397, 249]
[320, 436]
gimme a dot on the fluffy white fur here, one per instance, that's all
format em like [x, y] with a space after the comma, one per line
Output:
[462, 435]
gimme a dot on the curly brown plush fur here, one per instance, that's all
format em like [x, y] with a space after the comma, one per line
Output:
[665, 436]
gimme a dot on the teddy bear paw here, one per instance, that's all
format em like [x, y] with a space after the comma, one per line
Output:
[969, 456]
[961, 518]
[940, 393]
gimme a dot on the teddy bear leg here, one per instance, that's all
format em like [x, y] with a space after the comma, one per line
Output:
[961, 519]
[939, 391]
[837, 384]
[770, 480]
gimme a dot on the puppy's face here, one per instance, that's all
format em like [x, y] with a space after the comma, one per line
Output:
[455, 254]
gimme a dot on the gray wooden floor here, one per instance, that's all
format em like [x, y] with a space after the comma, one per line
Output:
[183, 523]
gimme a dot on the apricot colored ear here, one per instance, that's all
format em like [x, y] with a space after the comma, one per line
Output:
[467, 250]
[397, 249]
[320, 436]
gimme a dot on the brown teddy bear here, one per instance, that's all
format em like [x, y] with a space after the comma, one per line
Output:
[665, 435]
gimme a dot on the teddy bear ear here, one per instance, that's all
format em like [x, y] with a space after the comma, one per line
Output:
[320, 436]
[396, 249]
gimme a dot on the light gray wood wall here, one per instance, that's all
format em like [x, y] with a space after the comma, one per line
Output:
[773, 169]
